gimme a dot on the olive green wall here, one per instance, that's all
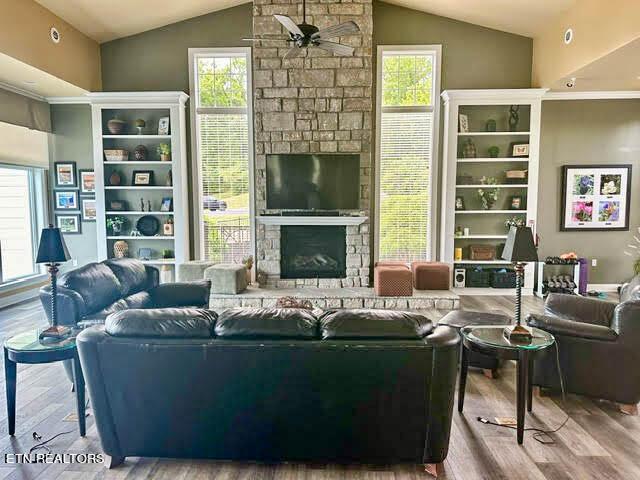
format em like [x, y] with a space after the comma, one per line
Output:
[576, 132]
[72, 141]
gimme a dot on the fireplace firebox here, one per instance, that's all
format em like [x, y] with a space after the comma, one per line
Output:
[313, 251]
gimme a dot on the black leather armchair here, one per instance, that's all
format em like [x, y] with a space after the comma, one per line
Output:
[598, 343]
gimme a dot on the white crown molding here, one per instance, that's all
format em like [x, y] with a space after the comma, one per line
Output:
[593, 95]
[20, 91]
[497, 94]
[96, 98]
[68, 100]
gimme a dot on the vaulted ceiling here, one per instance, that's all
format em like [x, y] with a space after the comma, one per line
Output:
[105, 20]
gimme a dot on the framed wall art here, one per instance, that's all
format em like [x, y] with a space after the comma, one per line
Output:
[69, 223]
[66, 200]
[87, 182]
[595, 197]
[65, 175]
[88, 209]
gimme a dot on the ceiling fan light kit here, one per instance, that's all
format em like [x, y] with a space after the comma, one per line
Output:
[305, 35]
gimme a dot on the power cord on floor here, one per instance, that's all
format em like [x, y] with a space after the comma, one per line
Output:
[541, 435]
[43, 445]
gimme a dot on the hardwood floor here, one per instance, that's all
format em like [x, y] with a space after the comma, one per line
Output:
[597, 442]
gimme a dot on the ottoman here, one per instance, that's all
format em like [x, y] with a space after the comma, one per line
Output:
[392, 281]
[461, 318]
[430, 275]
[193, 270]
[230, 278]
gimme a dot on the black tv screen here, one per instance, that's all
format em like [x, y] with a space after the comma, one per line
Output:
[313, 182]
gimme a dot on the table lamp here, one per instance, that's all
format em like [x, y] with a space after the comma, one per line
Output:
[519, 249]
[52, 251]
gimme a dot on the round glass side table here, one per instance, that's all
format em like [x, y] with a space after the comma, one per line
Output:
[489, 340]
[28, 348]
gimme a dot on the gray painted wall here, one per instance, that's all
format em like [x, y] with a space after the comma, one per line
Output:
[72, 142]
[588, 132]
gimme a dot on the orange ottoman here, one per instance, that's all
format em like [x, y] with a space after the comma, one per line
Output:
[392, 281]
[430, 275]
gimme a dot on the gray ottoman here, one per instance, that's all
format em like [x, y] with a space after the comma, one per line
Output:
[461, 318]
[228, 278]
[193, 270]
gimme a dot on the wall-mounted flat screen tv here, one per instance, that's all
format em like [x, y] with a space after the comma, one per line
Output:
[313, 182]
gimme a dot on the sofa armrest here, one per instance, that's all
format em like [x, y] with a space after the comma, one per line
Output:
[71, 306]
[626, 322]
[187, 294]
[444, 368]
[561, 326]
[580, 309]
[153, 276]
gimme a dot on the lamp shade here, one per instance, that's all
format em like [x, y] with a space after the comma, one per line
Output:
[52, 248]
[520, 246]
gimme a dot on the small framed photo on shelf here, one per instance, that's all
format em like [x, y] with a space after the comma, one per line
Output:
[595, 197]
[87, 182]
[142, 178]
[88, 209]
[519, 149]
[460, 203]
[463, 121]
[145, 253]
[167, 204]
[118, 205]
[69, 223]
[65, 173]
[516, 202]
[163, 126]
[66, 200]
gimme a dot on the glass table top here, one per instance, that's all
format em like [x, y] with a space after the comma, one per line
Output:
[30, 342]
[492, 336]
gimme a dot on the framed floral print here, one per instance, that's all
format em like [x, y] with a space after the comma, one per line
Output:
[595, 197]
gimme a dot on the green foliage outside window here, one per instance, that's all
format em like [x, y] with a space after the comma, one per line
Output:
[407, 80]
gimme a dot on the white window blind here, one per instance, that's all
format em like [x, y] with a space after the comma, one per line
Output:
[405, 155]
[222, 129]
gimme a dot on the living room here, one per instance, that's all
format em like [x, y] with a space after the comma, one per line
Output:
[413, 223]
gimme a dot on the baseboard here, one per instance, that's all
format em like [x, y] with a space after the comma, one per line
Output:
[603, 287]
[19, 297]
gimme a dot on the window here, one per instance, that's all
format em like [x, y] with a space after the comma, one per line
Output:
[223, 146]
[21, 207]
[408, 99]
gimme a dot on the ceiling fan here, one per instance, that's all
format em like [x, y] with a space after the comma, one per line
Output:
[305, 35]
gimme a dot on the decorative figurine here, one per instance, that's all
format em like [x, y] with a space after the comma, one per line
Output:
[169, 181]
[142, 204]
[148, 205]
[514, 117]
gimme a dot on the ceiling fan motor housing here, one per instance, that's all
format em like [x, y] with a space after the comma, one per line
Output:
[307, 30]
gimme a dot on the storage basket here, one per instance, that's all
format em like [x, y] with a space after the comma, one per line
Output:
[117, 155]
[482, 252]
[478, 277]
[503, 278]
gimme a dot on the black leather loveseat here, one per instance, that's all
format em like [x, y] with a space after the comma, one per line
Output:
[367, 386]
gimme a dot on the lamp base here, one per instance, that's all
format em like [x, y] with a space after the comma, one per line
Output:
[57, 332]
[518, 334]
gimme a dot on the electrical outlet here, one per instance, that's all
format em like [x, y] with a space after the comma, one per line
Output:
[594, 262]
[74, 262]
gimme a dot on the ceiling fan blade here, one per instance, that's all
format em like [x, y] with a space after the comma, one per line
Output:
[334, 47]
[292, 53]
[289, 24]
[281, 39]
[347, 28]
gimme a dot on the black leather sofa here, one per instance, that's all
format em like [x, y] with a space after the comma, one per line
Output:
[599, 346]
[368, 386]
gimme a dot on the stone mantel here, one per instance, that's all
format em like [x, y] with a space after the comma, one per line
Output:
[310, 220]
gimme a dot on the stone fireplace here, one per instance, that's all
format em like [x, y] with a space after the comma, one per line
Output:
[315, 103]
[313, 251]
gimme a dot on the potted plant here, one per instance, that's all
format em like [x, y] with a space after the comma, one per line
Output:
[115, 225]
[514, 222]
[488, 196]
[635, 245]
[164, 150]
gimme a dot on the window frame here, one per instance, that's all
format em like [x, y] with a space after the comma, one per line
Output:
[37, 207]
[436, 52]
[196, 177]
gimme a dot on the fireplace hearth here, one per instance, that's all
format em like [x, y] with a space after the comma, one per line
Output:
[313, 252]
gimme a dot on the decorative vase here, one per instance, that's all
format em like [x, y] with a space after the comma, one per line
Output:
[166, 274]
[115, 179]
[116, 126]
[140, 153]
[491, 125]
[121, 249]
[469, 149]
[165, 157]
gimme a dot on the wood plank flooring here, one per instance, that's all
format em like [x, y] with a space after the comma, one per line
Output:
[598, 442]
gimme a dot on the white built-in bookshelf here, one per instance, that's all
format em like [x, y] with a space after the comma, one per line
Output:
[462, 173]
[150, 107]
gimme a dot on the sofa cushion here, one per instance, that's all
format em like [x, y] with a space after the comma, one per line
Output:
[183, 294]
[162, 323]
[95, 283]
[130, 273]
[373, 324]
[267, 323]
[139, 300]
